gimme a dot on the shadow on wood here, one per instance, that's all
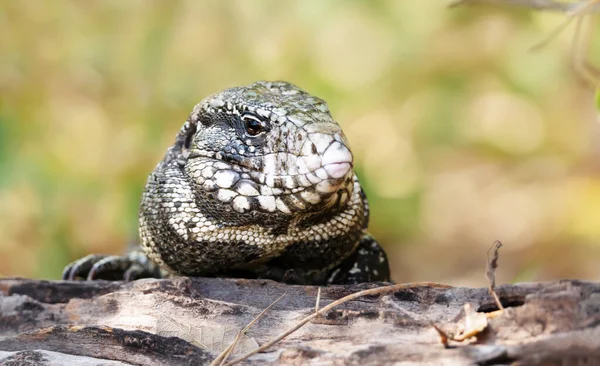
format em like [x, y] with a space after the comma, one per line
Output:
[189, 321]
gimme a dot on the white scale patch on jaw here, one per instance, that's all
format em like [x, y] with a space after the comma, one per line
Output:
[209, 185]
[226, 195]
[321, 173]
[282, 206]
[246, 188]
[289, 182]
[267, 203]
[266, 190]
[310, 197]
[208, 172]
[304, 182]
[313, 178]
[241, 204]
[226, 178]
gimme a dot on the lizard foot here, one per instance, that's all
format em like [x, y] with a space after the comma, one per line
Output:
[112, 267]
[368, 263]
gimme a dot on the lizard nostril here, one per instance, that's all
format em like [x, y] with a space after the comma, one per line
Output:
[313, 148]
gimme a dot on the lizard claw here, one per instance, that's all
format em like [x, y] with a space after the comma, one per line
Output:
[113, 267]
[134, 272]
[109, 265]
[81, 267]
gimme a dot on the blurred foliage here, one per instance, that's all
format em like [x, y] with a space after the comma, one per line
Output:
[461, 136]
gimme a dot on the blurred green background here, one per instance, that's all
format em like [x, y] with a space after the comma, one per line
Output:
[461, 135]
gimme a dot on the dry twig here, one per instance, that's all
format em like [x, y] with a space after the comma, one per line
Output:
[222, 357]
[578, 11]
[318, 300]
[551, 5]
[490, 271]
[475, 322]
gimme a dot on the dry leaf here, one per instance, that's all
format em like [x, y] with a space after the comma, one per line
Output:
[474, 323]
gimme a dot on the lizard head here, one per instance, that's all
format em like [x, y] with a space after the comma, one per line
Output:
[268, 146]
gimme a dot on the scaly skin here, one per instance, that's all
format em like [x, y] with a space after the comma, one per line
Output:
[258, 184]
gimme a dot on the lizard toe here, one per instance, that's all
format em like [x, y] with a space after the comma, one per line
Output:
[81, 267]
[67, 272]
[134, 272]
[111, 266]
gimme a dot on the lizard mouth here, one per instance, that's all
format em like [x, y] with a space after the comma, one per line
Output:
[316, 176]
[337, 170]
[287, 171]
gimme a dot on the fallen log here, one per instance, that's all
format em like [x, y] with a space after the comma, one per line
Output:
[190, 321]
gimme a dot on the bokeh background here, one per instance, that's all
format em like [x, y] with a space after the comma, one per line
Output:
[461, 134]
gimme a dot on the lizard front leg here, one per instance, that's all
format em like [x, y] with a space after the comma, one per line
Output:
[368, 263]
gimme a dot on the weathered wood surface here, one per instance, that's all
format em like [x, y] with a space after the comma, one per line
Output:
[116, 323]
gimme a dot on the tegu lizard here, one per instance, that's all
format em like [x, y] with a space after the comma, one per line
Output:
[258, 184]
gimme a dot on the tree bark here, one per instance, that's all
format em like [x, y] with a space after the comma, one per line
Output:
[189, 321]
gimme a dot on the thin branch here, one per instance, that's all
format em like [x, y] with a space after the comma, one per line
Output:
[573, 10]
[584, 8]
[318, 300]
[227, 351]
[373, 291]
[490, 271]
[536, 4]
[558, 30]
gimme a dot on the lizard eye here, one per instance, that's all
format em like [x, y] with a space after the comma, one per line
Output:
[253, 125]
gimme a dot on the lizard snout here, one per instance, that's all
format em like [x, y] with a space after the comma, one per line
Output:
[328, 153]
[337, 160]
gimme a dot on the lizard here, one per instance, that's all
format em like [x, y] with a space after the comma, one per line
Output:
[258, 184]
